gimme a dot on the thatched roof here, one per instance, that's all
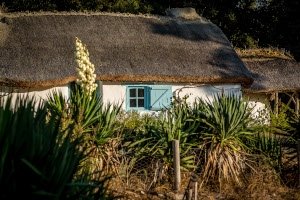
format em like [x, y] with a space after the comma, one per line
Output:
[272, 70]
[37, 50]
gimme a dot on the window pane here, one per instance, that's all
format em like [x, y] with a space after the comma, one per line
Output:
[140, 92]
[132, 102]
[132, 92]
[141, 103]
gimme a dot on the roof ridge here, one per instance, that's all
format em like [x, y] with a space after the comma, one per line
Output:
[94, 13]
[62, 13]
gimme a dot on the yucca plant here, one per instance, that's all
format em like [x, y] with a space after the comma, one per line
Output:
[269, 145]
[171, 124]
[289, 135]
[176, 124]
[95, 122]
[226, 132]
[148, 139]
[37, 160]
[86, 112]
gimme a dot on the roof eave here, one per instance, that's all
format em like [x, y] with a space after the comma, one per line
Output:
[186, 80]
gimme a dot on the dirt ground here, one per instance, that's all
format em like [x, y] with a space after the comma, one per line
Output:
[263, 184]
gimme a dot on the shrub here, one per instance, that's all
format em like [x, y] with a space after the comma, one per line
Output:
[147, 141]
[224, 139]
[94, 122]
[38, 160]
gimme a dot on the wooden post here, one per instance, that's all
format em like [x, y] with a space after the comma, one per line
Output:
[280, 156]
[196, 191]
[276, 104]
[190, 194]
[298, 155]
[176, 161]
[297, 105]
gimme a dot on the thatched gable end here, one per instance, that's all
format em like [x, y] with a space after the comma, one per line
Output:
[274, 75]
[273, 70]
[37, 50]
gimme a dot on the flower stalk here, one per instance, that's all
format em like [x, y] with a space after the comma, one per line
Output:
[85, 69]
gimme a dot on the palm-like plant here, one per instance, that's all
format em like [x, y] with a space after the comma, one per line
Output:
[176, 124]
[269, 145]
[92, 120]
[154, 142]
[227, 129]
[37, 160]
[86, 112]
[148, 139]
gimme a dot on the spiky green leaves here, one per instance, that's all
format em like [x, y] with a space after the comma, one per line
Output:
[226, 131]
[37, 159]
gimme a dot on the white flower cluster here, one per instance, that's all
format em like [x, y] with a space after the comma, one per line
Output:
[85, 69]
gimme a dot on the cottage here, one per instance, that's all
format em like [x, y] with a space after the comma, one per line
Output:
[140, 60]
[276, 79]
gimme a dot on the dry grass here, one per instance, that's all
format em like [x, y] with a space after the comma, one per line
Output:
[224, 163]
[136, 188]
[264, 53]
[264, 184]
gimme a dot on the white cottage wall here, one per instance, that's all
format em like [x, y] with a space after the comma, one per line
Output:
[206, 92]
[116, 93]
[38, 95]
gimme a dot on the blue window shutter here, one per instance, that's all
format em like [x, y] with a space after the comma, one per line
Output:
[127, 99]
[160, 96]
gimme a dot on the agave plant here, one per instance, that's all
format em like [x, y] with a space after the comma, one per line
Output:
[227, 130]
[37, 160]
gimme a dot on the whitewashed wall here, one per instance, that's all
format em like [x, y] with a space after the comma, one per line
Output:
[260, 106]
[116, 93]
[38, 95]
[206, 92]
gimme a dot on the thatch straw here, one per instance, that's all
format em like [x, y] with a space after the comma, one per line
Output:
[263, 54]
[37, 50]
[271, 70]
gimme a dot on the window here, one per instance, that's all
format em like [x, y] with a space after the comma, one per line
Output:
[137, 97]
[149, 97]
